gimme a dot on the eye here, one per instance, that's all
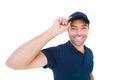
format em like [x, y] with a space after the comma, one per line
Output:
[72, 27]
[84, 27]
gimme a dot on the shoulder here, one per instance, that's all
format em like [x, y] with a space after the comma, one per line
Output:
[89, 51]
[55, 48]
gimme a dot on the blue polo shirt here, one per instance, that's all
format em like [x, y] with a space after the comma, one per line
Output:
[67, 63]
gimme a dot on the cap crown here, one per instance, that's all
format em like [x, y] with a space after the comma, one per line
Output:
[79, 15]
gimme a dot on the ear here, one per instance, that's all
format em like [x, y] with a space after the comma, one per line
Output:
[88, 27]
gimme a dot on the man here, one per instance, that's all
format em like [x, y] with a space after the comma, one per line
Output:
[69, 61]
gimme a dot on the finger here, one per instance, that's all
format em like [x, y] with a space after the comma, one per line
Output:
[68, 25]
[60, 20]
[64, 21]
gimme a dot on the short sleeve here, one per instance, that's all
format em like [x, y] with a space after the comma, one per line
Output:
[50, 54]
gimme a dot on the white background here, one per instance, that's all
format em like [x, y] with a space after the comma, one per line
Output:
[22, 20]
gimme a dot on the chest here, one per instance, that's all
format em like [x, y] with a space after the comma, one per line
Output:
[74, 62]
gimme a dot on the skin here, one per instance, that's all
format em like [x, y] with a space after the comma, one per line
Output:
[78, 32]
[28, 55]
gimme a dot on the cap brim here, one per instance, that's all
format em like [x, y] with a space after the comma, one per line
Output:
[79, 17]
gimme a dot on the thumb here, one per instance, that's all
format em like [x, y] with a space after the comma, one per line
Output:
[68, 25]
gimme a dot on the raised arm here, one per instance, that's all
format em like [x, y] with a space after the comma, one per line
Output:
[28, 55]
[92, 76]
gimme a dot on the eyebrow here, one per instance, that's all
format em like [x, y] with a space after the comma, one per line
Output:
[73, 26]
[82, 25]
[85, 25]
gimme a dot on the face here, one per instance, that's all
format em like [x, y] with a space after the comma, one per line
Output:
[78, 32]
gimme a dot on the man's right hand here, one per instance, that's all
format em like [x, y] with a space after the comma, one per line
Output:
[60, 25]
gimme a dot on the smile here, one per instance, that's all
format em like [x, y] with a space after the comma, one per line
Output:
[78, 38]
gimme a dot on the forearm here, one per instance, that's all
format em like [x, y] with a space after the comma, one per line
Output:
[28, 51]
[91, 76]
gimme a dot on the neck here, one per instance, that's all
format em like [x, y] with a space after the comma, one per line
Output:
[79, 48]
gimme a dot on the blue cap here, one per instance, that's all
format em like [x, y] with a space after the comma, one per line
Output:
[79, 15]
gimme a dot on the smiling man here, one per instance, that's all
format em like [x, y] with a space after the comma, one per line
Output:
[69, 61]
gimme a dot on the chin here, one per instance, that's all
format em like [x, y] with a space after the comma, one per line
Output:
[77, 43]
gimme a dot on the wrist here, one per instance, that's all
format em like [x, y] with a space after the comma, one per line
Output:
[52, 32]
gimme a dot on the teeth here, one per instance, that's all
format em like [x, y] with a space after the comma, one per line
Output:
[78, 38]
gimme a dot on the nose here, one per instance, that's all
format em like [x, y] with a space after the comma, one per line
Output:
[79, 32]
